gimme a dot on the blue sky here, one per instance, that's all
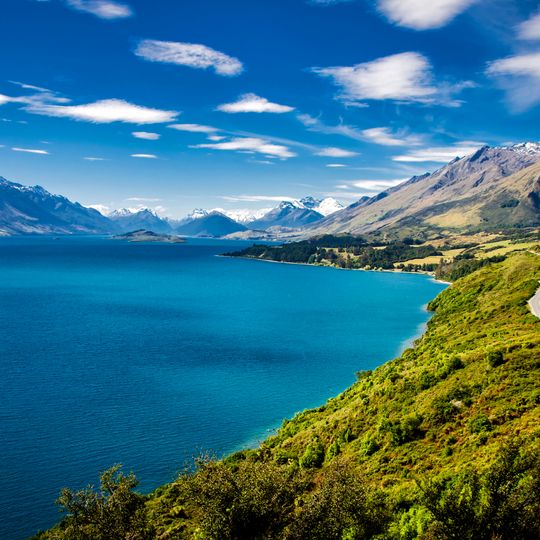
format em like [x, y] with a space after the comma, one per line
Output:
[175, 104]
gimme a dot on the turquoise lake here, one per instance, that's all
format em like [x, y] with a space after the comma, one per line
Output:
[146, 353]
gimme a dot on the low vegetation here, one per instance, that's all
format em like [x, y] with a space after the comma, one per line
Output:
[440, 443]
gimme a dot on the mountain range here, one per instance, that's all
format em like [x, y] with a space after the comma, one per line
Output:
[33, 210]
[492, 188]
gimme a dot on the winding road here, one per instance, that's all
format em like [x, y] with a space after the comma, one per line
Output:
[534, 303]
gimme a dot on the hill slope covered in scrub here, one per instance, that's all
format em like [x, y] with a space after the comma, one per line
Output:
[439, 443]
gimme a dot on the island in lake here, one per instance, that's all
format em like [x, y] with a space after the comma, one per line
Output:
[142, 235]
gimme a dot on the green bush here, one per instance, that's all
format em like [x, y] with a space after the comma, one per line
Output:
[479, 424]
[495, 358]
[313, 456]
[344, 507]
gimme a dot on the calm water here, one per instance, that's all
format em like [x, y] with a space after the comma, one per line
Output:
[142, 353]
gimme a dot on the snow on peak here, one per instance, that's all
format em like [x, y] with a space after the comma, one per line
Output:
[124, 212]
[197, 213]
[243, 215]
[328, 206]
[525, 149]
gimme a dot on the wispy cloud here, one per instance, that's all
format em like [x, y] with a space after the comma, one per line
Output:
[380, 135]
[252, 103]
[251, 144]
[29, 86]
[194, 128]
[255, 198]
[189, 54]
[404, 78]
[146, 135]
[443, 154]
[95, 159]
[422, 14]
[264, 162]
[335, 152]
[101, 208]
[104, 9]
[335, 165]
[530, 29]
[520, 77]
[215, 138]
[103, 112]
[30, 151]
[385, 137]
[144, 156]
[378, 185]
[354, 195]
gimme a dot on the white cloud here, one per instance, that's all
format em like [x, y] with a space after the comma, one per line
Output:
[336, 165]
[95, 159]
[264, 162]
[422, 14]
[380, 135]
[527, 64]
[520, 77]
[335, 152]
[384, 137]
[251, 144]
[349, 194]
[530, 30]
[101, 208]
[215, 138]
[104, 9]
[252, 103]
[142, 199]
[31, 151]
[378, 185]
[440, 154]
[104, 112]
[404, 77]
[29, 86]
[144, 156]
[146, 135]
[256, 198]
[189, 54]
[194, 128]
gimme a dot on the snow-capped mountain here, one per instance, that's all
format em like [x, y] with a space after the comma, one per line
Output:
[132, 219]
[322, 206]
[243, 216]
[287, 214]
[33, 210]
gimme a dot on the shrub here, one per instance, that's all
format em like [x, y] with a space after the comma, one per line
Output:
[368, 445]
[253, 503]
[442, 410]
[313, 456]
[344, 506]
[495, 358]
[479, 424]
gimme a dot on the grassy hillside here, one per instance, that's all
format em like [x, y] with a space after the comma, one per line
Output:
[439, 443]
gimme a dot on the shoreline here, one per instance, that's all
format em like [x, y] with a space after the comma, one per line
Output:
[395, 271]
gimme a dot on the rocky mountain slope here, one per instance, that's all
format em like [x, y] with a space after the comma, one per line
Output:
[33, 210]
[287, 214]
[211, 225]
[128, 220]
[494, 187]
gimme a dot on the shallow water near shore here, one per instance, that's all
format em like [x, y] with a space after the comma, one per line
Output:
[143, 353]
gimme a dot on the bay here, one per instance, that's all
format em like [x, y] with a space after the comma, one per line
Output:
[145, 354]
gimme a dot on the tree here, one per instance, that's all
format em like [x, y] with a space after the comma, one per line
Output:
[114, 512]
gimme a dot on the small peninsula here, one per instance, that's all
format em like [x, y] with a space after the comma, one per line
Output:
[142, 235]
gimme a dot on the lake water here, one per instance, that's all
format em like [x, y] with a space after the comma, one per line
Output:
[144, 353]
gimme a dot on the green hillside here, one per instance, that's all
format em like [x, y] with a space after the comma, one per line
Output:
[439, 443]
